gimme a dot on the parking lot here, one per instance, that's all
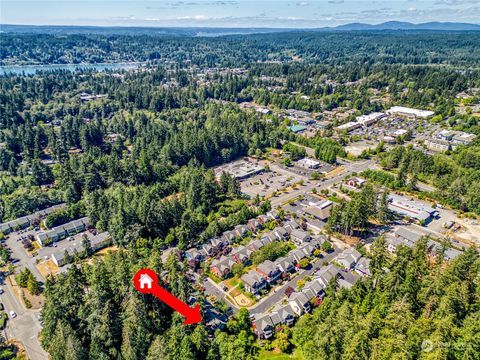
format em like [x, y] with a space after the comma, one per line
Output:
[269, 182]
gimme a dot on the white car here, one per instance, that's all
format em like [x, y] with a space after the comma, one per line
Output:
[13, 315]
[1, 290]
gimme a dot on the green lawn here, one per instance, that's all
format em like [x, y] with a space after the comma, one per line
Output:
[280, 356]
[3, 318]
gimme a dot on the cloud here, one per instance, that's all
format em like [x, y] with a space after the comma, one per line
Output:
[336, 1]
[302, 3]
[195, 17]
[455, 2]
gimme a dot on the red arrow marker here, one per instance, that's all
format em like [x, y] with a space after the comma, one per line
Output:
[146, 282]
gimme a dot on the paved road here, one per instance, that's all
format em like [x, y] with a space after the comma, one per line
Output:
[349, 167]
[25, 327]
[273, 299]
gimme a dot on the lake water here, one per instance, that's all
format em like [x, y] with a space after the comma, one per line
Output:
[32, 69]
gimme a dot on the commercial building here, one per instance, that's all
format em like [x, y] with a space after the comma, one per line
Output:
[415, 210]
[240, 169]
[349, 126]
[308, 163]
[367, 120]
[409, 112]
[298, 128]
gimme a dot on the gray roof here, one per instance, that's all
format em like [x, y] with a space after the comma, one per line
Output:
[285, 262]
[99, 239]
[263, 323]
[285, 312]
[276, 319]
[363, 266]
[27, 220]
[298, 254]
[408, 235]
[327, 273]
[300, 298]
[267, 267]
[300, 234]
[255, 244]
[315, 285]
[251, 278]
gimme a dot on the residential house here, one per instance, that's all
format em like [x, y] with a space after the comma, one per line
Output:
[263, 219]
[255, 245]
[315, 287]
[286, 314]
[281, 233]
[363, 266]
[276, 319]
[222, 267]
[308, 249]
[193, 254]
[298, 255]
[254, 225]
[264, 327]
[229, 237]
[299, 236]
[241, 230]
[269, 271]
[300, 303]
[268, 238]
[286, 264]
[208, 248]
[348, 258]
[241, 254]
[327, 273]
[253, 282]
[345, 283]
[273, 215]
[291, 225]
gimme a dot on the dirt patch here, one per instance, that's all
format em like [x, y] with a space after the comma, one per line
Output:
[19, 349]
[48, 267]
[23, 295]
[106, 250]
[468, 233]
[235, 292]
[243, 300]
[335, 172]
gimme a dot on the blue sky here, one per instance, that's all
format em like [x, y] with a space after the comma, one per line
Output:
[235, 13]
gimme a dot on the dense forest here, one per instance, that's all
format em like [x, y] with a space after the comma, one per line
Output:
[139, 159]
[234, 50]
[410, 308]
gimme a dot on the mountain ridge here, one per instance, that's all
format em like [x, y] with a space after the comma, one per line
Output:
[218, 31]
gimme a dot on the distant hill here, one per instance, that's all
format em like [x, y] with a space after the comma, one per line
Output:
[211, 31]
[399, 25]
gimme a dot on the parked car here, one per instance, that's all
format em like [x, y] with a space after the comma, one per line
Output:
[13, 315]
[1, 291]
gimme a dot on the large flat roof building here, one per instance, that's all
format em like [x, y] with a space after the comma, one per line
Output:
[409, 112]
